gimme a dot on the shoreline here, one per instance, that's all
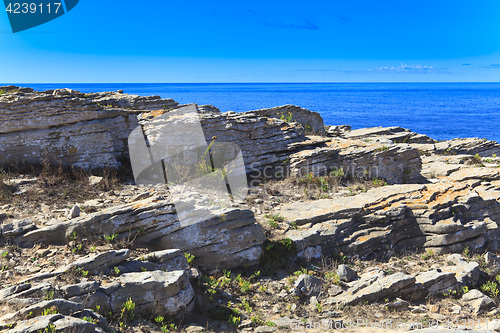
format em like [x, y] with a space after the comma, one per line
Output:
[379, 223]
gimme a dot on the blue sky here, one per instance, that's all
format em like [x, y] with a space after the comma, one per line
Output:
[258, 41]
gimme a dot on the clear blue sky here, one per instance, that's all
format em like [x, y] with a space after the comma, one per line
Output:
[258, 41]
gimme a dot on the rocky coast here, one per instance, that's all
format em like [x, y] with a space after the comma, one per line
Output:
[341, 229]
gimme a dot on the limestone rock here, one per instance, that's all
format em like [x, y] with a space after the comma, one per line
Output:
[358, 159]
[86, 130]
[386, 287]
[346, 273]
[97, 263]
[17, 227]
[310, 120]
[338, 130]
[80, 289]
[493, 262]
[74, 212]
[229, 238]
[159, 292]
[309, 285]
[444, 217]
[61, 324]
[394, 134]
[437, 281]
[61, 305]
[478, 301]
[470, 146]
[166, 260]
[94, 180]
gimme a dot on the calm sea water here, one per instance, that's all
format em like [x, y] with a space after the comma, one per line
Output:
[440, 110]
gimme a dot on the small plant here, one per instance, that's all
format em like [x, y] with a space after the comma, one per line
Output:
[257, 320]
[77, 249]
[128, 310]
[464, 290]
[491, 288]
[379, 182]
[337, 173]
[51, 328]
[116, 270]
[49, 311]
[234, 321]
[274, 219]
[466, 252]
[189, 258]
[246, 305]
[166, 328]
[49, 295]
[5, 254]
[383, 148]
[272, 224]
[110, 238]
[288, 118]
[319, 307]
[159, 319]
[428, 254]
[244, 286]
[81, 271]
[2, 92]
[276, 254]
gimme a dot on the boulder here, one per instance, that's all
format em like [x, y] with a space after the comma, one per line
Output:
[387, 287]
[309, 285]
[478, 301]
[158, 292]
[346, 273]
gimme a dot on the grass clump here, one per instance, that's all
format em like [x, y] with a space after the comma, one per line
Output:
[276, 254]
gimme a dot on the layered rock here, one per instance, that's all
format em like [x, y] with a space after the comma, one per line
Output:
[69, 127]
[388, 134]
[263, 141]
[229, 238]
[155, 289]
[311, 121]
[359, 159]
[462, 210]
[470, 146]
[376, 285]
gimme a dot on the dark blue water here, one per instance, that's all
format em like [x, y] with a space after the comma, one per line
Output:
[440, 110]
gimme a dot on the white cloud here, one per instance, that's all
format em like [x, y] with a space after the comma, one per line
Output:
[408, 68]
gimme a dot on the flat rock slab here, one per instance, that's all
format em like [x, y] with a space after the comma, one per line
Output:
[343, 207]
[158, 291]
[222, 238]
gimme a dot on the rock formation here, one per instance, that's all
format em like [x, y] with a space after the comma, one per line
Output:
[366, 218]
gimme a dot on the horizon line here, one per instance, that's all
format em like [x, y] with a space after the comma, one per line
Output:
[308, 82]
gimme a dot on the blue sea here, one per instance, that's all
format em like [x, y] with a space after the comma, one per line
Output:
[439, 110]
